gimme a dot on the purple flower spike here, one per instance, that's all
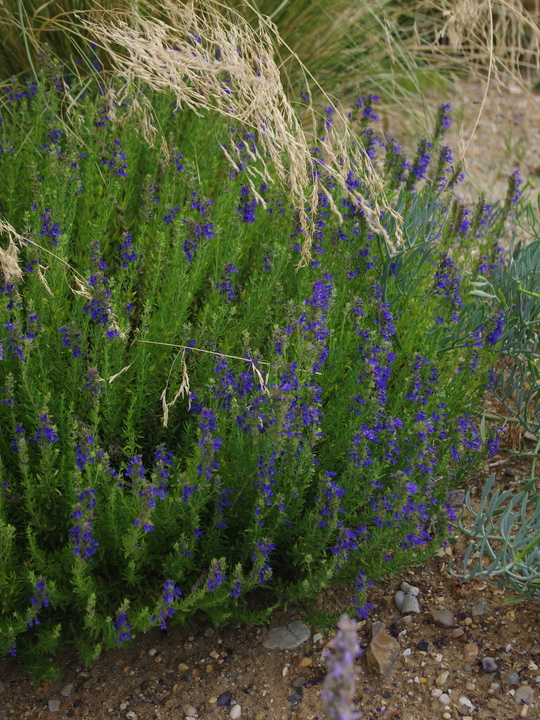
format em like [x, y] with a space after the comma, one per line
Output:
[340, 683]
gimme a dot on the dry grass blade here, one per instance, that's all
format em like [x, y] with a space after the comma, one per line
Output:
[210, 58]
[182, 390]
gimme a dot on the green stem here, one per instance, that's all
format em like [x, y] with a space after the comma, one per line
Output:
[527, 292]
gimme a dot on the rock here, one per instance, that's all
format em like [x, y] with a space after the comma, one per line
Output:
[298, 682]
[444, 699]
[489, 665]
[422, 646]
[457, 633]
[399, 597]
[512, 678]
[287, 637]
[443, 618]
[456, 499]
[383, 650]
[224, 699]
[524, 695]
[470, 653]
[68, 689]
[410, 604]
[152, 652]
[296, 696]
[236, 711]
[465, 703]
[442, 678]
[410, 589]
[209, 632]
[317, 638]
[189, 710]
[54, 705]
[479, 608]
[509, 473]
[466, 667]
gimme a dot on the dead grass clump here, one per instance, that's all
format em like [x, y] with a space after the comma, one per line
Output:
[210, 58]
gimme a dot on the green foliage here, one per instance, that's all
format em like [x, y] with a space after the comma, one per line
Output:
[190, 418]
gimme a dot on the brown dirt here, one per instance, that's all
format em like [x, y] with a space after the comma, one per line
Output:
[162, 673]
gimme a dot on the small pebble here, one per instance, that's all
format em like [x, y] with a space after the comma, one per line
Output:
[532, 665]
[398, 599]
[123, 706]
[131, 715]
[479, 608]
[407, 652]
[152, 652]
[298, 682]
[444, 699]
[212, 700]
[285, 671]
[296, 696]
[465, 702]
[466, 667]
[224, 698]
[524, 694]
[189, 710]
[317, 638]
[512, 678]
[509, 473]
[410, 604]
[68, 689]
[470, 686]
[457, 633]
[489, 665]
[447, 716]
[436, 692]
[236, 711]
[442, 678]
[470, 652]
[423, 646]
[209, 632]
[214, 654]
[443, 618]
[468, 621]
[410, 589]
[54, 705]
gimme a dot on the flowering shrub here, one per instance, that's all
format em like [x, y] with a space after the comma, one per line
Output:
[187, 415]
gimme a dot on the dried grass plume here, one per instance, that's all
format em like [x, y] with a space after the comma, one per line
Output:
[210, 58]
